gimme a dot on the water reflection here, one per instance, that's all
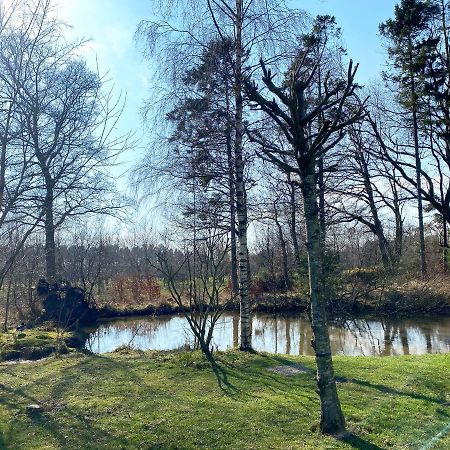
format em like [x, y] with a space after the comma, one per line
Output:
[279, 334]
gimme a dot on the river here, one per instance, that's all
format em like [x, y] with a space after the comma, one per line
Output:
[279, 334]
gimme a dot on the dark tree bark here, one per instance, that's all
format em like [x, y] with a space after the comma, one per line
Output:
[293, 223]
[50, 246]
[284, 256]
[331, 418]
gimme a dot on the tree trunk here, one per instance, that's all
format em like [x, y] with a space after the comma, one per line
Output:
[321, 186]
[235, 331]
[444, 245]
[423, 262]
[293, 225]
[332, 420]
[50, 246]
[241, 206]
[8, 298]
[383, 243]
[232, 198]
[398, 246]
[234, 254]
[284, 255]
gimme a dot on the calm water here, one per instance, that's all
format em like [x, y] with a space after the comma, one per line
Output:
[279, 334]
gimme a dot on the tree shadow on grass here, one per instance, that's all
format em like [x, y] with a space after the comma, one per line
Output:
[226, 371]
[80, 428]
[101, 367]
[379, 387]
[392, 391]
[283, 383]
[359, 443]
[222, 378]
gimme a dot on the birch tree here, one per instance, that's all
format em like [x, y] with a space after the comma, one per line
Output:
[251, 26]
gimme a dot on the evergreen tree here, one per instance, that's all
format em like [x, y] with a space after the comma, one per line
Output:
[204, 138]
[409, 38]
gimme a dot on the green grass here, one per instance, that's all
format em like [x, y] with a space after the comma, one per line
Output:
[176, 401]
[32, 343]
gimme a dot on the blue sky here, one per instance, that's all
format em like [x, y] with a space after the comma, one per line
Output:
[111, 24]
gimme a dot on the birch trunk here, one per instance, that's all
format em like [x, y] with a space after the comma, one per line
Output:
[232, 198]
[241, 206]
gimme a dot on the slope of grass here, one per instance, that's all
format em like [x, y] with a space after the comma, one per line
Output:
[177, 401]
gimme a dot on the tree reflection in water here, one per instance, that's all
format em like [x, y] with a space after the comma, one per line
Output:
[280, 334]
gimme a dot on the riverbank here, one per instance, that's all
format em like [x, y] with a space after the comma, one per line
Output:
[401, 301]
[175, 400]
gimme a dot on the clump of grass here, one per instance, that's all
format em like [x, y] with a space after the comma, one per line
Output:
[128, 349]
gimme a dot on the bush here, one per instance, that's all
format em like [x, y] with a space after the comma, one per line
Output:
[137, 289]
[264, 281]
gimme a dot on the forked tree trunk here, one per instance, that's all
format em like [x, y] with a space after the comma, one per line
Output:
[331, 418]
[241, 206]
[383, 244]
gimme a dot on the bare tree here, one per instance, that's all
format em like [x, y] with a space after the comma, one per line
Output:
[199, 284]
[69, 121]
[366, 191]
[19, 24]
[250, 25]
[293, 113]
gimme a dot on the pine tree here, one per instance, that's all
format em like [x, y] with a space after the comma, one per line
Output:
[409, 40]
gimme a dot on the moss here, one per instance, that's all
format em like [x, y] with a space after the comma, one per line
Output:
[163, 400]
[35, 343]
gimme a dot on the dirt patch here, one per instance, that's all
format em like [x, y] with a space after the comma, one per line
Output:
[290, 370]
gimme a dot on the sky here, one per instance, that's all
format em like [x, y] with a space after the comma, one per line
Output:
[110, 25]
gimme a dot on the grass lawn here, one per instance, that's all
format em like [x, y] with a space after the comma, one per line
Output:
[176, 401]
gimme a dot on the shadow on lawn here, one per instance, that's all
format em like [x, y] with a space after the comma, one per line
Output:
[379, 387]
[361, 444]
[224, 371]
[222, 378]
[393, 391]
[80, 427]
[61, 421]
